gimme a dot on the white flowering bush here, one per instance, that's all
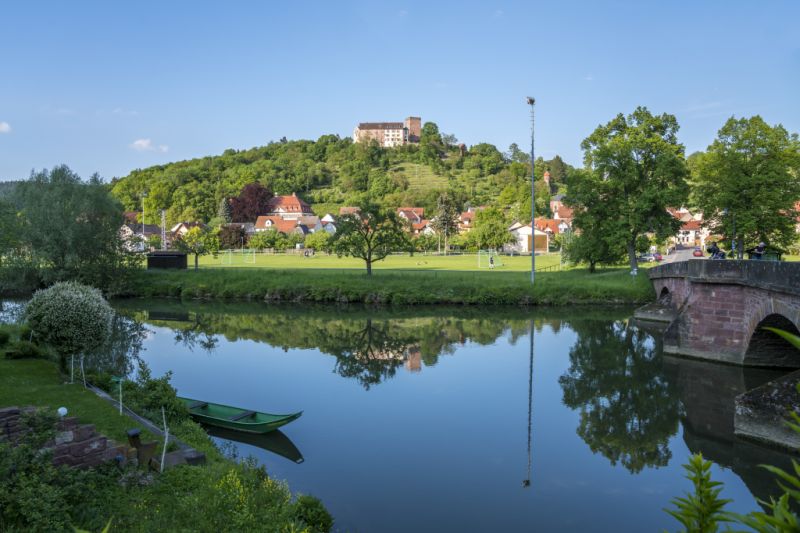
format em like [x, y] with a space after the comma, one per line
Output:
[71, 317]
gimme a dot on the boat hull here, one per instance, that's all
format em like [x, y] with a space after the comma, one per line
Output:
[219, 415]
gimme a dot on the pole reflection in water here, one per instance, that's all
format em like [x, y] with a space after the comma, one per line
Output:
[527, 481]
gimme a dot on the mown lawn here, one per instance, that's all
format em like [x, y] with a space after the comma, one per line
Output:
[397, 286]
[37, 382]
[467, 262]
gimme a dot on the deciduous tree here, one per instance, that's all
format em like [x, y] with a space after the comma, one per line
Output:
[371, 234]
[642, 162]
[749, 178]
[252, 202]
[198, 241]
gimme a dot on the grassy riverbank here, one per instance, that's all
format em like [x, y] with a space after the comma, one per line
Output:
[222, 495]
[577, 286]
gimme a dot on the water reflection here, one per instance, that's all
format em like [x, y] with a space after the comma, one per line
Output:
[619, 395]
[276, 441]
[120, 354]
[628, 408]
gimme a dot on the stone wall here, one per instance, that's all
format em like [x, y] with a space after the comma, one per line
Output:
[719, 305]
[75, 444]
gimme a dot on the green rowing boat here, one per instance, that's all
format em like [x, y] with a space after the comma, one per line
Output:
[225, 416]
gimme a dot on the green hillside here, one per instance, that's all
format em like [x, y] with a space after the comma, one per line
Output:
[332, 172]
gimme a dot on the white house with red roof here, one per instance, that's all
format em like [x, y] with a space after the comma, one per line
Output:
[288, 207]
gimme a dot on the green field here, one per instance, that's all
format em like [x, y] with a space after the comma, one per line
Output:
[468, 262]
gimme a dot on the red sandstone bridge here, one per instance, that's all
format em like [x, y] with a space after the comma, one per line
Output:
[715, 310]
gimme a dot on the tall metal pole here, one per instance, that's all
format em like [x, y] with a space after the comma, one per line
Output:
[532, 103]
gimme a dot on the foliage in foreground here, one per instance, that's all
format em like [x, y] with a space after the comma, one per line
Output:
[220, 496]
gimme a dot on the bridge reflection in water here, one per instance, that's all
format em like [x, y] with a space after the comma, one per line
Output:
[708, 391]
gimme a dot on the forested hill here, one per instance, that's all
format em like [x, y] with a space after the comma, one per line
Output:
[331, 172]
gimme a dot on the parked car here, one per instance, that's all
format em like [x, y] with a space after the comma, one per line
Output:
[646, 258]
[698, 252]
[658, 257]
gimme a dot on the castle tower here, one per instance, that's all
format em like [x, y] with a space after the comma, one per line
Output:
[414, 127]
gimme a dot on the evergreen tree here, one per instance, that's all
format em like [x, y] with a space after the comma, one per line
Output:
[225, 213]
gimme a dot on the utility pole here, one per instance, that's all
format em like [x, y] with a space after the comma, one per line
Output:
[163, 230]
[532, 103]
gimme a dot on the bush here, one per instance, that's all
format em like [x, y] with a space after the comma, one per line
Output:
[25, 350]
[71, 317]
[5, 336]
[312, 513]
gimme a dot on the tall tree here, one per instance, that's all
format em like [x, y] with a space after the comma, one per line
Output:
[9, 229]
[491, 230]
[558, 170]
[71, 228]
[225, 213]
[600, 238]
[517, 155]
[430, 143]
[252, 202]
[446, 220]
[370, 234]
[749, 178]
[640, 158]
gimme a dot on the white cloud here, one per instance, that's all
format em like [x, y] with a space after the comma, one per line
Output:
[146, 145]
[588, 77]
[5, 127]
[499, 13]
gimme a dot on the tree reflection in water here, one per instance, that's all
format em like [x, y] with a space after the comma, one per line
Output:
[628, 409]
[119, 354]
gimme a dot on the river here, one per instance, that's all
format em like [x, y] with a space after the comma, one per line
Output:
[456, 419]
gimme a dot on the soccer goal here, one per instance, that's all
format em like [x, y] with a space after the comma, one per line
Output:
[489, 259]
[226, 257]
[248, 256]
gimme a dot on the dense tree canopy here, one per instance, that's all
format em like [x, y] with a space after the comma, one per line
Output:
[67, 228]
[332, 172]
[642, 162]
[749, 178]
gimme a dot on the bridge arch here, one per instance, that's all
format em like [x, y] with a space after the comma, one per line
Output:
[765, 348]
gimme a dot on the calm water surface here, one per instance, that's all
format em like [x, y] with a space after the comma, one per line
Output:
[456, 420]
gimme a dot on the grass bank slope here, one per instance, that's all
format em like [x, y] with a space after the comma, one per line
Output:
[578, 286]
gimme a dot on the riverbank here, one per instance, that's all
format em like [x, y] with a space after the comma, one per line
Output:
[401, 287]
[39, 496]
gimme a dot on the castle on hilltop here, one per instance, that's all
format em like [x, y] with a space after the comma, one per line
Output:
[389, 134]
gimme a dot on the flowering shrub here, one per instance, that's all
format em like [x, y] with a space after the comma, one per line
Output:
[71, 317]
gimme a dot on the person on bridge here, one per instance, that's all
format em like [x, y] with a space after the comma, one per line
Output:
[758, 251]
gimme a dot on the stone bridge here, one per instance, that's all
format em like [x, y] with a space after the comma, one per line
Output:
[715, 310]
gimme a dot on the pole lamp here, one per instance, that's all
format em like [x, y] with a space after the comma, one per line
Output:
[532, 102]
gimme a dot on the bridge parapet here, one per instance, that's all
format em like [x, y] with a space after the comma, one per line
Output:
[769, 275]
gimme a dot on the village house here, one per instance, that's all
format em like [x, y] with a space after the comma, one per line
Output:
[692, 231]
[552, 226]
[136, 237]
[288, 207]
[526, 237]
[466, 220]
[181, 228]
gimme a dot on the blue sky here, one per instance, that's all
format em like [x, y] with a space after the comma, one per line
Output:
[109, 87]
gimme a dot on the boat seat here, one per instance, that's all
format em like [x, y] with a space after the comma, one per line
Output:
[198, 405]
[240, 416]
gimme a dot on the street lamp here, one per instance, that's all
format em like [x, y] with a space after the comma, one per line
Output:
[532, 102]
[144, 244]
